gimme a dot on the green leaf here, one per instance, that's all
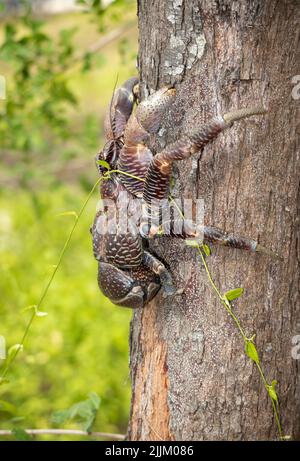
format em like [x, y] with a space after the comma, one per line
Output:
[234, 294]
[4, 381]
[95, 399]
[16, 348]
[251, 351]
[104, 164]
[60, 416]
[21, 435]
[192, 243]
[28, 308]
[84, 411]
[206, 249]
[272, 393]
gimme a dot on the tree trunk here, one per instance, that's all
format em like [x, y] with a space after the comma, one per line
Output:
[190, 377]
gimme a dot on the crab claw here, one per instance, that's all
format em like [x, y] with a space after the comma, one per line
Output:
[150, 111]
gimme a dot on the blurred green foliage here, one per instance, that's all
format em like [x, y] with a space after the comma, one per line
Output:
[57, 92]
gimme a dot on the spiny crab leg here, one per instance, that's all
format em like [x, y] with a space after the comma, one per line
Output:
[158, 174]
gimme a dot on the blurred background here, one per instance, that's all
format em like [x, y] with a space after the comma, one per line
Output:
[60, 60]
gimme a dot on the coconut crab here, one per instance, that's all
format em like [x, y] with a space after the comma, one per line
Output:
[129, 274]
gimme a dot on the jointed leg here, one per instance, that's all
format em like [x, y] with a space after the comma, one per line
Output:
[135, 157]
[117, 115]
[158, 175]
[120, 109]
[215, 235]
[158, 268]
[188, 230]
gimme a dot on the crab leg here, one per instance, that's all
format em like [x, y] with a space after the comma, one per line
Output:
[187, 230]
[159, 268]
[120, 109]
[135, 157]
[158, 175]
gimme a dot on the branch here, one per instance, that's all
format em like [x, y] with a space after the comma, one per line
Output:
[105, 435]
[101, 43]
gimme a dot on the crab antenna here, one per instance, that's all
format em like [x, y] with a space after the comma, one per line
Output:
[110, 106]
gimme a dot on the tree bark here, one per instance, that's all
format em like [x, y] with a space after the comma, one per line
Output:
[190, 377]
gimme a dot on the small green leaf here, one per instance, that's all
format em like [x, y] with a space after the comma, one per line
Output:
[226, 302]
[251, 351]
[286, 437]
[60, 416]
[16, 348]
[234, 294]
[206, 249]
[68, 213]
[95, 399]
[21, 435]
[84, 411]
[103, 163]
[192, 243]
[272, 393]
[4, 381]
[28, 308]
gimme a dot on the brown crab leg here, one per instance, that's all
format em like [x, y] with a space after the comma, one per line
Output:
[120, 109]
[117, 115]
[187, 230]
[135, 156]
[159, 269]
[220, 237]
[158, 175]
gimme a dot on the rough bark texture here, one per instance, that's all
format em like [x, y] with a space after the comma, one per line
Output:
[190, 377]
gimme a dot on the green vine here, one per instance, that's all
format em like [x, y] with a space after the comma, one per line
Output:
[203, 251]
[250, 348]
[36, 312]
